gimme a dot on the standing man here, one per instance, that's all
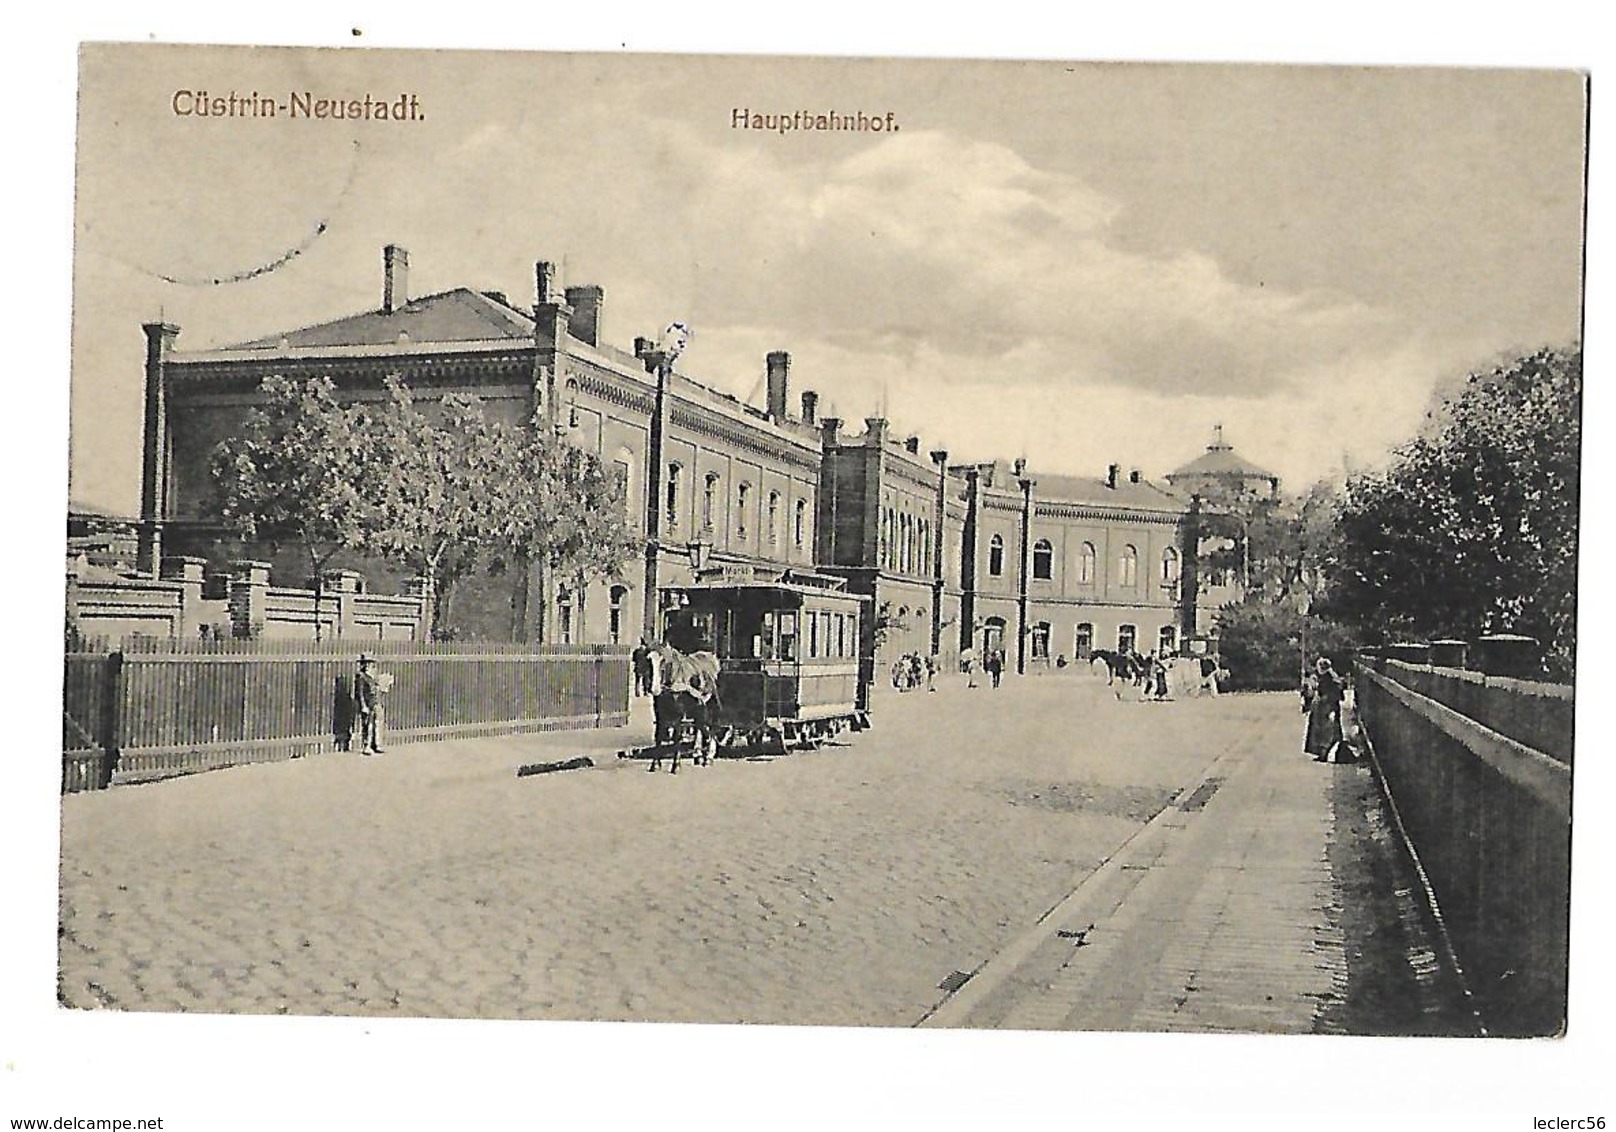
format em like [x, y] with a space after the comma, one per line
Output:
[641, 660]
[368, 690]
[995, 665]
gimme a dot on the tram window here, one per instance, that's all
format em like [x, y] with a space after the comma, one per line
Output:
[765, 641]
[813, 637]
[787, 621]
[824, 628]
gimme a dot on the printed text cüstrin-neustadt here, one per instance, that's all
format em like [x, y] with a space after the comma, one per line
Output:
[301, 105]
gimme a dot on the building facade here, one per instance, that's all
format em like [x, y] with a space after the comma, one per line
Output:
[1057, 567]
[732, 484]
[992, 556]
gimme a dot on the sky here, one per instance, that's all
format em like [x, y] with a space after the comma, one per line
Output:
[1081, 264]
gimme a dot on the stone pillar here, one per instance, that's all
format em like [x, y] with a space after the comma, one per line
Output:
[338, 588]
[249, 588]
[1449, 653]
[188, 572]
[1508, 654]
[1024, 566]
[154, 485]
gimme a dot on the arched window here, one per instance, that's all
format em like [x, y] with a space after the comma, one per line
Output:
[619, 596]
[572, 402]
[1169, 566]
[743, 500]
[1167, 640]
[885, 549]
[564, 615]
[709, 497]
[674, 473]
[773, 527]
[1083, 645]
[906, 559]
[1043, 562]
[799, 526]
[1128, 567]
[993, 634]
[925, 546]
[1040, 641]
[1085, 564]
[622, 474]
[996, 556]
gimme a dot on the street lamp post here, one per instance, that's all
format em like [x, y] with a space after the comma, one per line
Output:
[658, 360]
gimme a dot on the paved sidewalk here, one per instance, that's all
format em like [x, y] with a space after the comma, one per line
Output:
[1272, 896]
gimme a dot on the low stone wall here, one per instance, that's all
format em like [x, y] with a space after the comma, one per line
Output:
[1489, 817]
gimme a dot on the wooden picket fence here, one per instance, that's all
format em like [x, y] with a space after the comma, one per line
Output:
[157, 708]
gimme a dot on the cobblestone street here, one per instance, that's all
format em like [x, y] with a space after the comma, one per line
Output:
[840, 886]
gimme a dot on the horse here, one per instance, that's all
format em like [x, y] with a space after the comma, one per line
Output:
[1118, 665]
[683, 689]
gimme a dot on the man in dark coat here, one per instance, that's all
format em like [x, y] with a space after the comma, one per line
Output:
[368, 705]
[641, 660]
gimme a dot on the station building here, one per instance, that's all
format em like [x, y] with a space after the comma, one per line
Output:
[736, 486]
[1058, 566]
[952, 555]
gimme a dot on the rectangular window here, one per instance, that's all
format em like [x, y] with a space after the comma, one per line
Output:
[788, 636]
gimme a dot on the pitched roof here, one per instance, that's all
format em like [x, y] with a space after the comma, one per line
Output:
[1144, 495]
[460, 315]
[1094, 491]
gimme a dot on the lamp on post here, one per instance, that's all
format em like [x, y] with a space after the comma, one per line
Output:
[699, 553]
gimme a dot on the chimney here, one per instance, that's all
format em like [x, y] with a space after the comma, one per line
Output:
[1021, 466]
[1111, 474]
[810, 406]
[779, 363]
[1133, 475]
[395, 278]
[586, 304]
[912, 445]
[828, 430]
[544, 282]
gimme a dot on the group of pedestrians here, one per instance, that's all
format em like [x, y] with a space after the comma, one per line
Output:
[911, 670]
[992, 664]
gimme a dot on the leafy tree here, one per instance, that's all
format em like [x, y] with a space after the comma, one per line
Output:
[295, 472]
[1264, 644]
[456, 491]
[435, 484]
[1473, 529]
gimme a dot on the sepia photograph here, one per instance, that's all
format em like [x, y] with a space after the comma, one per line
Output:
[871, 543]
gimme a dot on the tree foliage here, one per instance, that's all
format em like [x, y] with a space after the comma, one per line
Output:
[1473, 529]
[296, 472]
[1265, 644]
[440, 487]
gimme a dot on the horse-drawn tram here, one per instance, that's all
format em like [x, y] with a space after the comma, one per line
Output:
[786, 650]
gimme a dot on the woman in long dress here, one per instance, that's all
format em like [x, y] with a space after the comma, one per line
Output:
[1322, 693]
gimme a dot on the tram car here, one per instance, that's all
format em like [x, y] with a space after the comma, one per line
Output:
[789, 647]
